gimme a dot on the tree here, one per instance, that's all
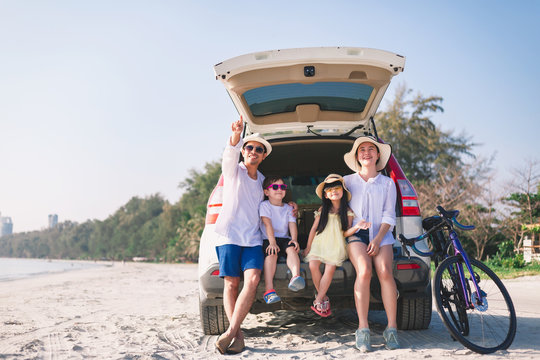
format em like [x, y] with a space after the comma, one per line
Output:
[198, 187]
[525, 203]
[467, 189]
[423, 149]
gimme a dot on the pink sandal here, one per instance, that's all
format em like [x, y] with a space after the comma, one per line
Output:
[319, 309]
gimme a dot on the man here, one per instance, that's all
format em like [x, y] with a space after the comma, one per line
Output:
[239, 247]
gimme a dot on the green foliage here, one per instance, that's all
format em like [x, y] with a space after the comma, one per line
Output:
[149, 227]
[506, 257]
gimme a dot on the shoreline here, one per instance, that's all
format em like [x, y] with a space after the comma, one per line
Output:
[146, 311]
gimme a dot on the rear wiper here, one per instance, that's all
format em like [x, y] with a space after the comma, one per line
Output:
[311, 131]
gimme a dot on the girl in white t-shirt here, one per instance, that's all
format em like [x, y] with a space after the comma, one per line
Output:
[280, 233]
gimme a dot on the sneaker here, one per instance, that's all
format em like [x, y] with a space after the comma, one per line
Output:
[390, 336]
[271, 297]
[297, 283]
[363, 340]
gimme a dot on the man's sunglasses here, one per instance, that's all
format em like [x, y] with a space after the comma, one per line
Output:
[277, 186]
[258, 149]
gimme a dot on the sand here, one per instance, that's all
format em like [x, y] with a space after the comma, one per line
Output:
[150, 311]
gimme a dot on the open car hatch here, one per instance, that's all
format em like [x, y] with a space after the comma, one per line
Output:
[321, 90]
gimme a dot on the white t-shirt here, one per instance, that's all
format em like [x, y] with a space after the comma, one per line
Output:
[375, 200]
[280, 216]
[238, 222]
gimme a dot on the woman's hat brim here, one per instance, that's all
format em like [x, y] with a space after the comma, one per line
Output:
[385, 150]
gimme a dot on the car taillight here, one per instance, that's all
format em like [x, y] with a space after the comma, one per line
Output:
[408, 266]
[214, 203]
[409, 199]
[215, 273]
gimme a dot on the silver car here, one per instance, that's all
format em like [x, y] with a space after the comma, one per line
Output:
[311, 104]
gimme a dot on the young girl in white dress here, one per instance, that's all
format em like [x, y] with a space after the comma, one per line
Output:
[326, 241]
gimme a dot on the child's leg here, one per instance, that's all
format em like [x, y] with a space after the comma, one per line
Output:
[270, 264]
[314, 267]
[293, 261]
[383, 266]
[362, 265]
[326, 280]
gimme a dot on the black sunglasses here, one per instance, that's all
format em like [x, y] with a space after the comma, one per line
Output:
[277, 186]
[258, 149]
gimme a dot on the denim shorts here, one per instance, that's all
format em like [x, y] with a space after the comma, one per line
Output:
[361, 235]
[234, 259]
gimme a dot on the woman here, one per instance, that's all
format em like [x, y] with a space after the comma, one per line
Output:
[373, 200]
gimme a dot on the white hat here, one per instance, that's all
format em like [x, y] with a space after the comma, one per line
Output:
[351, 158]
[258, 138]
[332, 178]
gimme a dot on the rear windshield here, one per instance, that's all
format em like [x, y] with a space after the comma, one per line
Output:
[330, 96]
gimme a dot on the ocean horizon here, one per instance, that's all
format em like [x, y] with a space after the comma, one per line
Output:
[20, 268]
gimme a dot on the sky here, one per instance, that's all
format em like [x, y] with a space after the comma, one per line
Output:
[102, 100]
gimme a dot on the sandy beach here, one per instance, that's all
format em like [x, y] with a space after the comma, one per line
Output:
[150, 311]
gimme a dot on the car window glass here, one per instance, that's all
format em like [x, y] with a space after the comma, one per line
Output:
[330, 96]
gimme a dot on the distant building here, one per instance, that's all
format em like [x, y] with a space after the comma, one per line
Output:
[6, 225]
[53, 221]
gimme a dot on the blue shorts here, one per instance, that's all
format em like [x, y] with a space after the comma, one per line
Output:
[234, 259]
[361, 235]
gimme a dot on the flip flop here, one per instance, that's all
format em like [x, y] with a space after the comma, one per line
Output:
[271, 297]
[318, 308]
[326, 306]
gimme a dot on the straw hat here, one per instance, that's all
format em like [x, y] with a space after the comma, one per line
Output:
[351, 158]
[332, 178]
[258, 138]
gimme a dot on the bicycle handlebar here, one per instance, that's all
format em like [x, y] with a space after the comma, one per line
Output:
[447, 217]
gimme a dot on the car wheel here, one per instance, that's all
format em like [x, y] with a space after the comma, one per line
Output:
[414, 313]
[214, 320]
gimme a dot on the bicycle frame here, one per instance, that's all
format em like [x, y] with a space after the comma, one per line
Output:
[458, 250]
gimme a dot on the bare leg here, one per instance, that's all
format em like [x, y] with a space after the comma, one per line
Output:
[242, 305]
[293, 261]
[270, 262]
[383, 266]
[362, 264]
[314, 267]
[325, 282]
[230, 294]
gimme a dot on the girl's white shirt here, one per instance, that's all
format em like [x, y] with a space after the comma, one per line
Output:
[238, 220]
[280, 216]
[375, 200]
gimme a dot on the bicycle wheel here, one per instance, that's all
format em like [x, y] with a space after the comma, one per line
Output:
[482, 327]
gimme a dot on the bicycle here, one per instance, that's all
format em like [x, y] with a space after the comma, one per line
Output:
[471, 300]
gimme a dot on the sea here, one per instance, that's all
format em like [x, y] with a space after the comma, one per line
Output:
[14, 269]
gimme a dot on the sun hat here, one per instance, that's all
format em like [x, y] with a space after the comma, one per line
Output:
[351, 158]
[258, 138]
[332, 178]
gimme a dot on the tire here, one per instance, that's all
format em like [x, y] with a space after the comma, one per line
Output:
[414, 313]
[483, 328]
[214, 321]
